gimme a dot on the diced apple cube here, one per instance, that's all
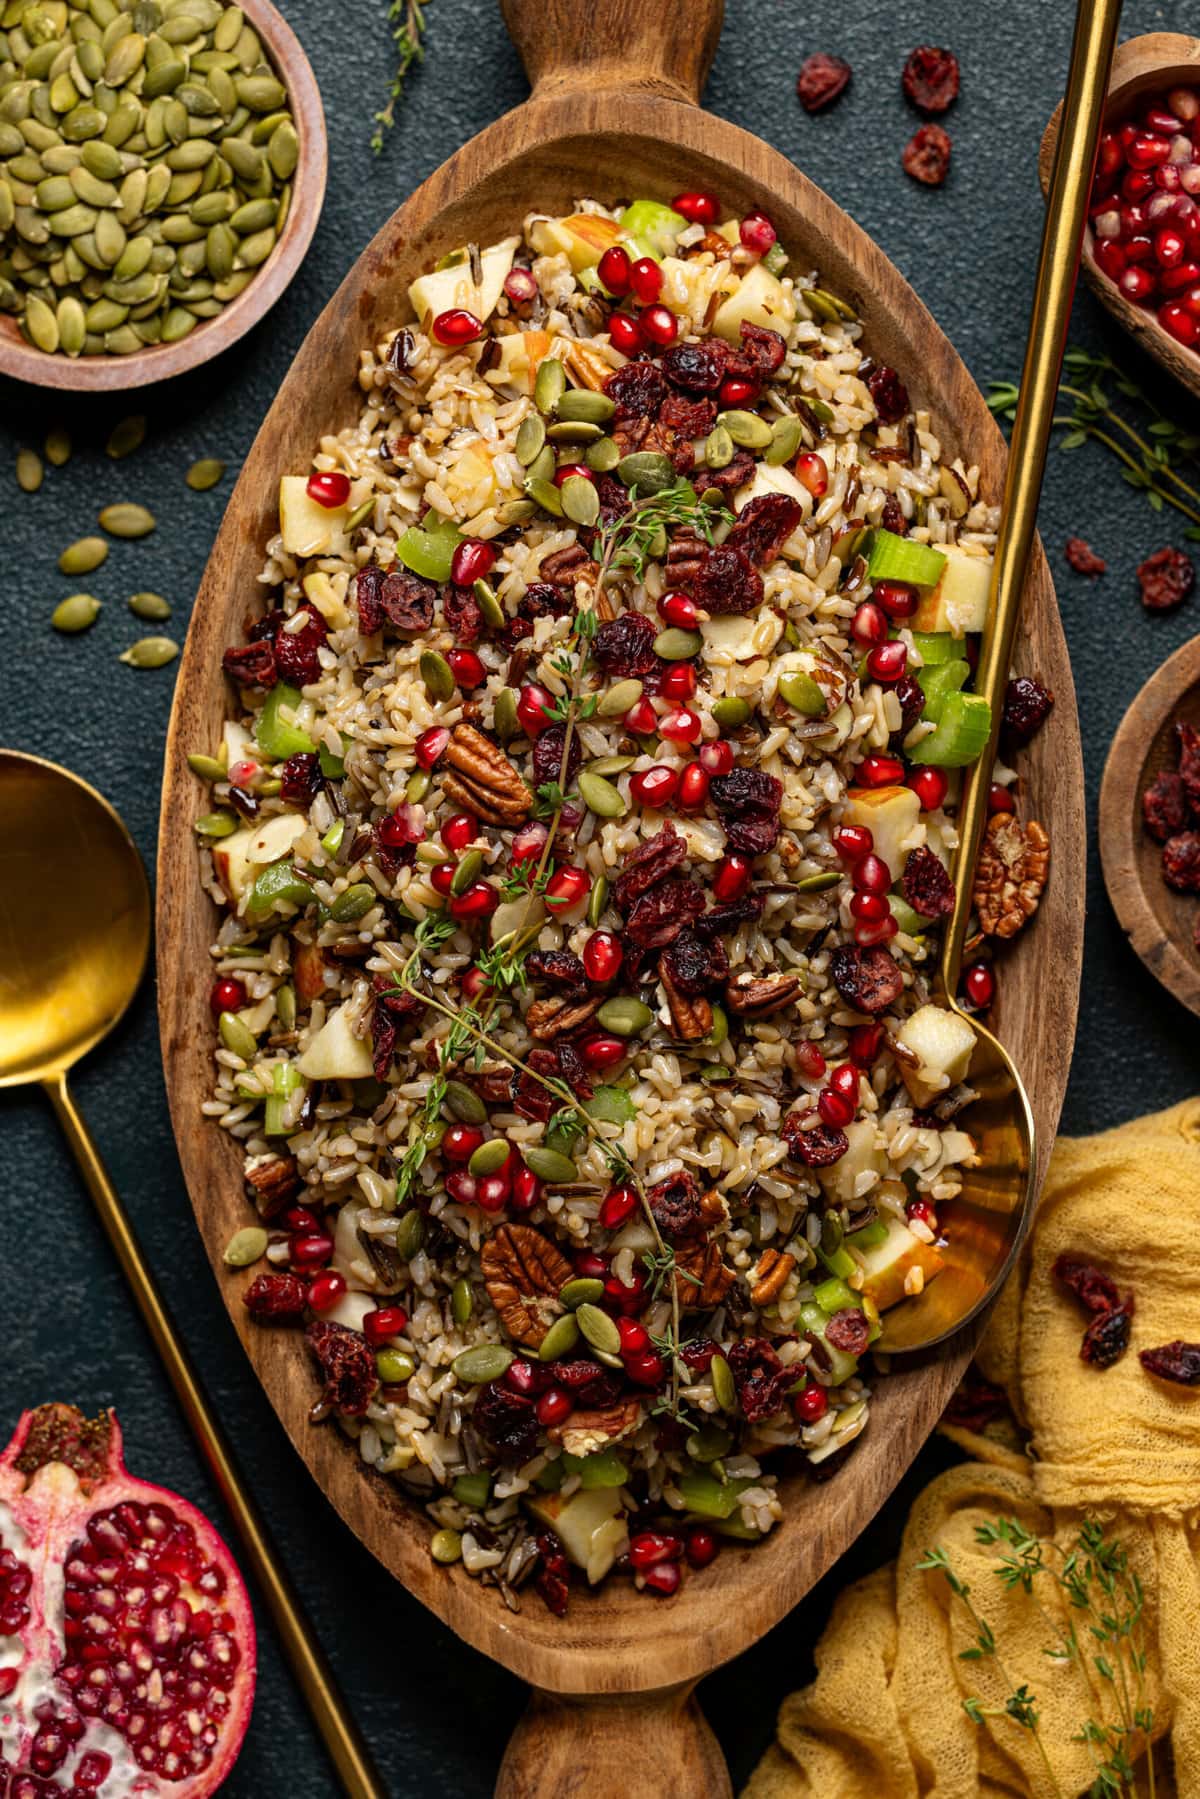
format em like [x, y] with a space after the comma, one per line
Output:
[891, 815]
[238, 857]
[768, 479]
[590, 1525]
[335, 1053]
[521, 355]
[758, 299]
[308, 973]
[443, 290]
[840, 1179]
[307, 528]
[887, 1266]
[324, 595]
[959, 602]
[944, 1044]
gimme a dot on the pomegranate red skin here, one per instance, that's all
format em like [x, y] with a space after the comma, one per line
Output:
[59, 1473]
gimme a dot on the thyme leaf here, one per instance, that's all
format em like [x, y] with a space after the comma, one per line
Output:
[406, 19]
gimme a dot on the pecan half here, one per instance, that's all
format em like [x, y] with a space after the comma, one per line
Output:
[555, 1016]
[1014, 861]
[701, 1278]
[483, 780]
[586, 1431]
[562, 567]
[770, 1277]
[587, 366]
[524, 1275]
[273, 1183]
[685, 555]
[754, 995]
[691, 1018]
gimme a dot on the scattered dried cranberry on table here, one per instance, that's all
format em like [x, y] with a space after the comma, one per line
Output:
[1166, 578]
[822, 80]
[926, 156]
[1082, 558]
[930, 79]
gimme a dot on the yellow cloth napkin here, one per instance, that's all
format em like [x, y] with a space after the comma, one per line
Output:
[884, 1718]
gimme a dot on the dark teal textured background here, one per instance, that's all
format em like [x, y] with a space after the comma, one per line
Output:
[436, 1714]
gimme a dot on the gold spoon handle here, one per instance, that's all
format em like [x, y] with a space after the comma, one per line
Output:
[338, 1730]
[1066, 211]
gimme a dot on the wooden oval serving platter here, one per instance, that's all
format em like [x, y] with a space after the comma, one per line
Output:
[1160, 924]
[613, 113]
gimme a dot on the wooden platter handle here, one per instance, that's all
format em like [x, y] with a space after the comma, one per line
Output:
[614, 1746]
[634, 46]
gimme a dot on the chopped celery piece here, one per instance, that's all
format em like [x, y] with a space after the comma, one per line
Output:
[332, 767]
[838, 1261]
[273, 733]
[276, 883]
[908, 921]
[331, 843]
[551, 1478]
[960, 737]
[653, 227]
[709, 1497]
[895, 558]
[776, 259]
[284, 1080]
[737, 1527]
[869, 1236]
[428, 550]
[611, 1105]
[604, 1469]
[834, 1296]
[936, 646]
[842, 1364]
[473, 1490]
[939, 681]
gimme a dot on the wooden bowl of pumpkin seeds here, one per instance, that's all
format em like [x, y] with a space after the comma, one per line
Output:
[162, 170]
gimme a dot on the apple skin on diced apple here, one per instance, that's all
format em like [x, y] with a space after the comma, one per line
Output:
[308, 973]
[335, 1053]
[943, 1043]
[891, 814]
[307, 528]
[238, 857]
[758, 299]
[959, 601]
[521, 355]
[445, 290]
[582, 237]
[590, 1525]
[770, 479]
[887, 1266]
[839, 1179]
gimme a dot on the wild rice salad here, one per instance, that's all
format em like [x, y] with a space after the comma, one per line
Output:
[580, 831]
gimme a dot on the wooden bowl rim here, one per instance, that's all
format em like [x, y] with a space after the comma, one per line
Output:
[1119, 823]
[159, 362]
[607, 1643]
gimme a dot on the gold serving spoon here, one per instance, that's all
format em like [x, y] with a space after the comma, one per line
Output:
[996, 1206]
[74, 940]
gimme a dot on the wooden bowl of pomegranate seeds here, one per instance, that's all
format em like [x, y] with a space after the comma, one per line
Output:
[1149, 825]
[613, 112]
[1142, 251]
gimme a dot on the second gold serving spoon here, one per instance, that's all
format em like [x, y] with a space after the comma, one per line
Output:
[994, 1211]
[74, 940]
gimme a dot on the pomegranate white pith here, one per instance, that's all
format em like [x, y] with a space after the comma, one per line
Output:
[127, 1647]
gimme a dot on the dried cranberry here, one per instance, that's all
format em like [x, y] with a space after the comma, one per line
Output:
[1083, 558]
[926, 156]
[588, 1383]
[749, 802]
[559, 967]
[760, 353]
[553, 1580]
[391, 1005]
[506, 1420]
[637, 390]
[368, 585]
[675, 1205]
[1189, 761]
[1091, 1286]
[698, 368]
[348, 1364]
[690, 418]
[548, 757]
[252, 665]
[911, 695]
[822, 80]
[819, 1147]
[1181, 862]
[296, 656]
[869, 980]
[892, 517]
[728, 917]
[889, 394]
[764, 526]
[652, 861]
[727, 582]
[462, 614]
[930, 79]
[848, 1330]
[693, 965]
[276, 1298]
[759, 1376]
[529, 1096]
[1176, 1361]
[1026, 707]
[624, 646]
[300, 779]
[573, 1069]
[1166, 578]
[735, 474]
[657, 918]
[927, 887]
[1107, 1337]
[1165, 805]
[407, 600]
[975, 1402]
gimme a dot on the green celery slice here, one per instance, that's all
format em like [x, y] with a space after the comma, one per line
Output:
[895, 558]
[936, 646]
[653, 227]
[939, 682]
[960, 737]
[273, 734]
[428, 550]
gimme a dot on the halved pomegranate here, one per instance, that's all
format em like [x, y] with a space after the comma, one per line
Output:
[127, 1649]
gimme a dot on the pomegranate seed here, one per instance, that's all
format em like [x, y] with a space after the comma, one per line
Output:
[529, 842]
[931, 786]
[663, 1579]
[492, 1192]
[526, 1189]
[602, 956]
[897, 598]
[523, 1377]
[649, 1547]
[325, 1291]
[693, 787]
[1109, 157]
[466, 668]
[634, 1336]
[868, 932]
[682, 726]
[441, 877]
[244, 774]
[697, 208]
[1178, 321]
[460, 1142]
[736, 392]
[617, 1205]
[1169, 247]
[871, 906]
[880, 771]
[613, 269]
[228, 995]
[757, 233]
[624, 1300]
[311, 1251]
[479, 901]
[888, 662]
[520, 286]
[835, 1108]
[1175, 280]
[462, 1187]
[1159, 119]
[567, 887]
[573, 468]
[922, 1211]
[678, 609]
[1184, 102]
[405, 825]
[431, 745]
[646, 280]
[812, 1404]
[532, 706]
[811, 472]
[1109, 257]
[717, 757]
[844, 1080]
[458, 831]
[678, 683]
[553, 1406]
[591, 1266]
[980, 984]
[646, 1369]
[872, 874]
[642, 719]
[299, 1219]
[732, 878]
[869, 626]
[602, 1052]
[1137, 283]
[702, 1546]
[381, 1325]
[1000, 798]
[329, 488]
[660, 325]
[862, 1045]
[810, 1061]
[1138, 249]
[472, 561]
[625, 334]
[457, 326]
[852, 842]
[1147, 151]
[654, 786]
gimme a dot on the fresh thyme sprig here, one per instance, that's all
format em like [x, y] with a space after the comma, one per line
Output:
[640, 535]
[1148, 463]
[407, 21]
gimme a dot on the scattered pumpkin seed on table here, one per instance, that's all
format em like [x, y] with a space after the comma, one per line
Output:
[82, 556]
[30, 472]
[75, 613]
[127, 436]
[205, 474]
[150, 606]
[126, 519]
[151, 652]
[57, 447]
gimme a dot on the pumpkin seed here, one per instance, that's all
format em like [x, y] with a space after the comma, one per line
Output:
[803, 694]
[463, 1103]
[445, 1546]
[82, 556]
[550, 1165]
[216, 824]
[580, 501]
[127, 437]
[581, 1292]
[482, 1363]
[786, 435]
[150, 652]
[611, 765]
[560, 1339]
[531, 439]
[676, 645]
[489, 1157]
[515, 512]
[417, 786]
[720, 1376]
[600, 796]
[437, 675]
[573, 431]
[58, 447]
[625, 1016]
[468, 870]
[207, 767]
[75, 613]
[544, 465]
[394, 1367]
[410, 1235]
[617, 700]
[649, 471]
[587, 407]
[40, 323]
[599, 1329]
[504, 715]
[72, 325]
[597, 900]
[246, 1246]
[746, 428]
[602, 456]
[489, 605]
[354, 903]
[127, 520]
[718, 448]
[720, 1029]
[30, 473]
[462, 1301]
[549, 384]
[545, 494]
[205, 474]
[817, 883]
[237, 1036]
